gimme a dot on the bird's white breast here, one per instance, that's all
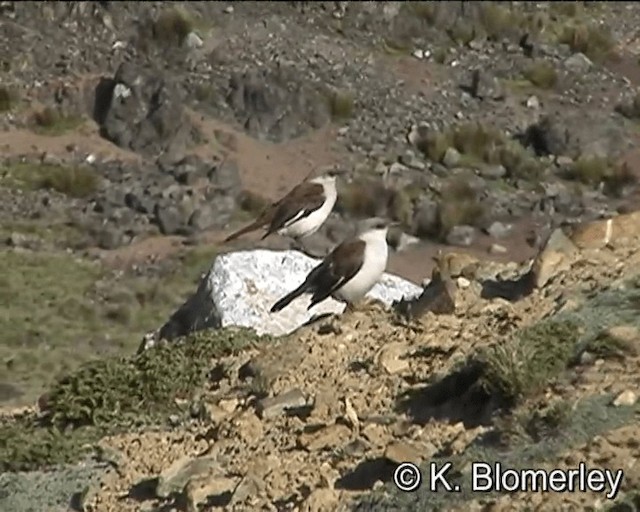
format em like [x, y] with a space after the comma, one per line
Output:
[312, 222]
[375, 262]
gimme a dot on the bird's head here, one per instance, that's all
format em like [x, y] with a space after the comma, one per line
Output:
[329, 177]
[377, 225]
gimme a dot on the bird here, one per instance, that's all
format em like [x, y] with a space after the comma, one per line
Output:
[350, 270]
[301, 212]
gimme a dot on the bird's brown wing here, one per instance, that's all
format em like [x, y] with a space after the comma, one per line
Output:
[303, 200]
[338, 267]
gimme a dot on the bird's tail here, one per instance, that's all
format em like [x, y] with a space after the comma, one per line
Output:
[251, 227]
[287, 299]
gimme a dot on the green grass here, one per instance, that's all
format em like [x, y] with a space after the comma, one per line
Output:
[542, 74]
[173, 25]
[73, 181]
[459, 205]
[61, 235]
[6, 99]
[62, 311]
[529, 361]
[115, 393]
[341, 105]
[50, 122]
[481, 144]
[593, 40]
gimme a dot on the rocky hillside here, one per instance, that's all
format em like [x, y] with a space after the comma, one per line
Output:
[135, 136]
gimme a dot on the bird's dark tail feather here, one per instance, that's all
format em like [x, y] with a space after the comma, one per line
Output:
[288, 298]
[251, 227]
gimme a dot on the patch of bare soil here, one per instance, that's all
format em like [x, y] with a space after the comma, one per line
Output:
[86, 141]
[267, 169]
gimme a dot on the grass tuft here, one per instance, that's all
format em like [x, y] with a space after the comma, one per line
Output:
[482, 145]
[459, 205]
[6, 99]
[496, 20]
[590, 170]
[594, 41]
[542, 74]
[73, 181]
[172, 26]
[363, 197]
[49, 122]
[341, 105]
[527, 362]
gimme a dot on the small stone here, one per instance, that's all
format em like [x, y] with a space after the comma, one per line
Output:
[389, 358]
[418, 53]
[351, 415]
[323, 499]
[463, 282]
[462, 236]
[228, 406]
[400, 451]
[375, 434]
[533, 102]
[168, 219]
[562, 162]
[451, 157]
[275, 406]
[197, 491]
[578, 63]
[627, 335]
[175, 477]
[626, 398]
[557, 256]
[228, 9]
[497, 249]
[193, 40]
[493, 172]
[331, 436]
[412, 162]
[499, 229]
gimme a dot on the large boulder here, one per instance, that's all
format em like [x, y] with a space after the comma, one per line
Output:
[241, 287]
[142, 110]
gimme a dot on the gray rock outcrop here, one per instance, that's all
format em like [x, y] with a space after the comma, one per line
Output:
[241, 287]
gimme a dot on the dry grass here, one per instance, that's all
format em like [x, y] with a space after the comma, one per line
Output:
[459, 205]
[6, 99]
[591, 170]
[479, 145]
[363, 197]
[542, 74]
[341, 105]
[50, 122]
[73, 181]
[496, 20]
[172, 26]
[595, 41]
[528, 362]
[566, 9]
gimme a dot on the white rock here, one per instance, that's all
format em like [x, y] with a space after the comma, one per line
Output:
[121, 91]
[193, 41]
[418, 53]
[533, 102]
[244, 285]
